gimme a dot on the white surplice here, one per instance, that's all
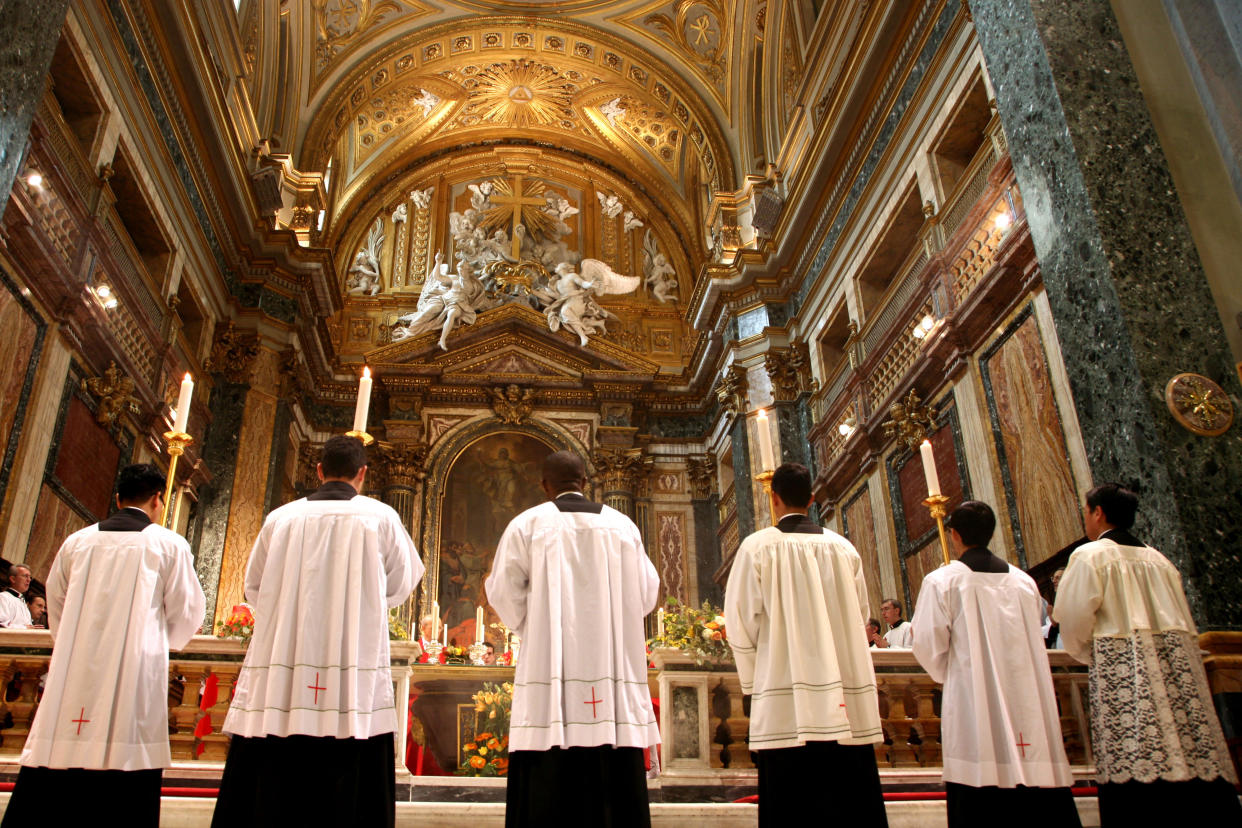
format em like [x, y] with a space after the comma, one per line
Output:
[321, 578]
[796, 619]
[116, 603]
[14, 611]
[979, 634]
[575, 586]
[1122, 610]
[900, 637]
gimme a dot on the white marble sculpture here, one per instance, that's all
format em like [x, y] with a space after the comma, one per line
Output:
[427, 100]
[447, 301]
[422, 198]
[660, 274]
[575, 307]
[612, 111]
[629, 221]
[364, 275]
[610, 205]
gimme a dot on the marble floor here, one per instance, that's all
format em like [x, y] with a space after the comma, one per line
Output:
[187, 812]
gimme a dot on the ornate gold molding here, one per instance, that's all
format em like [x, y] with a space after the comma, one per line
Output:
[620, 470]
[702, 472]
[402, 464]
[909, 421]
[233, 354]
[512, 403]
[731, 389]
[114, 393]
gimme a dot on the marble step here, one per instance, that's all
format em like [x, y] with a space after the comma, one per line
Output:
[195, 812]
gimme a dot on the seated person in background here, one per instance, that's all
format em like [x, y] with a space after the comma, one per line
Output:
[873, 632]
[38, 611]
[489, 657]
[13, 610]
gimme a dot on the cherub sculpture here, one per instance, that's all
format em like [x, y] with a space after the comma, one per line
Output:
[659, 272]
[447, 300]
[513, 404]
[364, 276]
[575, 306]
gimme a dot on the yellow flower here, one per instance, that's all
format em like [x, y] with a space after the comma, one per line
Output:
[491, 714]
[482, 750]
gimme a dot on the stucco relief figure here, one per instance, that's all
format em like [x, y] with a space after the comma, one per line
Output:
[402, 213]
[659, 272]
[447, 300]
[422, 198]
[512, 403]
[575, 306]
[629, 221]
[481, 195]
[610, 205]
[613, 110]
[364, 275]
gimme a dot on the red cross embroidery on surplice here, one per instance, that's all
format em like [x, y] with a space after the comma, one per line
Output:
[81, 720]
[1022, 746]
[593, 702]
[316, 687]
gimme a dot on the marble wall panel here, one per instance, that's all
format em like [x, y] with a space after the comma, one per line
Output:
[87, 459]
[913, 483]
[18, 335]
[859, 525]
[55, 520]
[671, 538]
[1035, 466]
[927, 558]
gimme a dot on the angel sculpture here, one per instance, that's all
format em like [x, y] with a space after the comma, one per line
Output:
[610, 205]
[365, 279]
[660, 273]
[422, 198]
[612, 111]
[629, 221]
[513, 404]
[481, 199]
[427, 100]
[447, 300]
[575, 306]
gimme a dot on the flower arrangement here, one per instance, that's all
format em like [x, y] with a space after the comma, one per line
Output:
[487, 754]
[396, 630]
[240, 624]
[696, 631]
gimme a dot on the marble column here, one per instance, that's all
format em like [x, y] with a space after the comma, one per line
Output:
[31, 32]
[1128, 294]
[616, 474]
[704, 503]
[743, 481]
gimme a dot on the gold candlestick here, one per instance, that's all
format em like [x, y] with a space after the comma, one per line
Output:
[177, 441]
[366, 439]
[765, 477]
[935, 504]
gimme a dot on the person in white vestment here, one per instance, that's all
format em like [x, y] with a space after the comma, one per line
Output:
[795, 609]
[120, 594]
[1160, 754]
[14, 611]
[900, 635]
[572, 579]
[313, 708]
[977, 631]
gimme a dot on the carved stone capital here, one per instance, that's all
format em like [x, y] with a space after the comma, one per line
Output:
[620, 470]
[306, 480]
[789, 369]
[731, 389]
[702, 472]
[233, 354]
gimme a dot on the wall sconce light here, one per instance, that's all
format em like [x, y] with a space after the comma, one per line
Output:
[104, 294]
[35, 180]
[924, 327]
[1003, 221]
[847, 426]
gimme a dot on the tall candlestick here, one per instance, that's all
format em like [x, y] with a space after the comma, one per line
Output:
[929, 469]
[765, 441]
[364, 401]
[183, 405]
[478, 625]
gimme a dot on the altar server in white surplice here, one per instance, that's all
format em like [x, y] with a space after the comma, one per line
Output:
[571, 578]
[119, 595]
[1160, 755]
[312, 716]
[977, 630]
[795, 612]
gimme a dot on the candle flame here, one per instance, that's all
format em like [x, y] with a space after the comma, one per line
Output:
[366, 372]
[926, 442]
[187, 376]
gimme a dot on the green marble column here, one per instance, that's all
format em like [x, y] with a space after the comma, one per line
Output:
[1129, 297]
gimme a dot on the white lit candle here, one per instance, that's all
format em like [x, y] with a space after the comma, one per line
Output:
[660, 623]
[765, 441]
[929, 469]
[446, 635]
[183, 405]
[364, 401]
[478, 625]
[435, 620]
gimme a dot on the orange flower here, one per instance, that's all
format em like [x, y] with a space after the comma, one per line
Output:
[482, 737]
[477, 762]
[469, 746]
[501, 762]
[716, 636]
[493, 744]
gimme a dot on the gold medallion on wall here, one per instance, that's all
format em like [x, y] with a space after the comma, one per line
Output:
[1198, 404]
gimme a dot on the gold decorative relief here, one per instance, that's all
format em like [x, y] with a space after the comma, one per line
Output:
[114, 392]
[909, 421]
[1199, 404]
[512, 403]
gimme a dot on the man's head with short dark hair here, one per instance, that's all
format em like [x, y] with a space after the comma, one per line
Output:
[974, 521]
[139, 483]
[563, 471]
[1120, 505]
[891, 610]
[791, 482]
[342, 458]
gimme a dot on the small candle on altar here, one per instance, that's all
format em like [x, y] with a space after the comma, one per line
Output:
[660, 623]
[364, 401]
[446, 635]
[765, 441]
[435, 620]
[478, 625]
[929, 469]
[183, 405]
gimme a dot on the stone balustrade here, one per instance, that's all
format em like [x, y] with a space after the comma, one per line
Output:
[702, 716]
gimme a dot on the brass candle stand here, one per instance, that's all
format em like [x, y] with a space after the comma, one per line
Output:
[366, 439]
[935, 504]
[765, 477]
[177, 442]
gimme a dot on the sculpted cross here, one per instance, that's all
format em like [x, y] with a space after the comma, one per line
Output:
[520, 204]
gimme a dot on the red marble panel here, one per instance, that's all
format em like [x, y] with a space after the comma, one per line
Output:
[927, 559]
[914, 485]
[860, 526]
[17, 340]
[1033, 445]
[54, 521]
[87, 459]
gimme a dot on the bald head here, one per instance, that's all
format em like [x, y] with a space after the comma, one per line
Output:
[562, 472]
